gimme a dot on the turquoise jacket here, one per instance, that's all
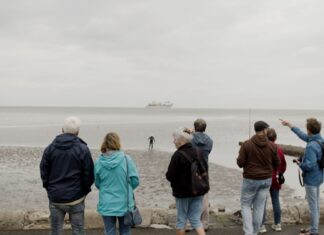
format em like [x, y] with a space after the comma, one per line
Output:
[313, 173]
[110, 179]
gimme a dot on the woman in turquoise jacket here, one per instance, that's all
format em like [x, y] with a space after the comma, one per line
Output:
[110, 179]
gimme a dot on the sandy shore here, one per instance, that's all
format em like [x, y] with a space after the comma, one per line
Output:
[21, 186]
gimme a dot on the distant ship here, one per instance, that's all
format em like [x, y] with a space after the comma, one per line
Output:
[154, 104]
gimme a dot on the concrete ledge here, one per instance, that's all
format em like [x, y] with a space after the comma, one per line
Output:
[154, 218]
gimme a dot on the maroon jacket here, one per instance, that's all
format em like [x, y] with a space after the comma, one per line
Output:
[258, 157]
[280, 169]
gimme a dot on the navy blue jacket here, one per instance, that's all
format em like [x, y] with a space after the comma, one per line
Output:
[67, 169]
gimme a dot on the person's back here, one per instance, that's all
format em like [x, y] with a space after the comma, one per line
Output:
[312, 172]
[115, 176]
[204, 144]
[67, 173]
[258, 157]
[110, 171]
[67, 180]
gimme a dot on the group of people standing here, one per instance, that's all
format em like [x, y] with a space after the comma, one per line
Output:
[263, 164]
[67, 172]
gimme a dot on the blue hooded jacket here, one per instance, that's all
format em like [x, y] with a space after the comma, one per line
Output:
[203, 142]
[313, 173]
[110, 179]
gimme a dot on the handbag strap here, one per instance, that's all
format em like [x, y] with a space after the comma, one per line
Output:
[300, 177]
[127, 186]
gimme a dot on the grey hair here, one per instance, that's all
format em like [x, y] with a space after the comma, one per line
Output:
[181, 134]
[72, 125]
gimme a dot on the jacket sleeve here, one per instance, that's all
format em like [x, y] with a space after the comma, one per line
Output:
[96, 175]
[133, 173]
[283, 164]
[88, 170]
[303, 136]
[275, 159]
[45, 168]
[310, 159]
[171, 172]
[242, 157]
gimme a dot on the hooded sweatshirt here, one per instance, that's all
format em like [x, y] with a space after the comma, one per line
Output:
[258, 157]
[110, 179]
[203, 142]
[67, 169]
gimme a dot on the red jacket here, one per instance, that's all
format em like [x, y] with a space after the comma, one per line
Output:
[280, 169]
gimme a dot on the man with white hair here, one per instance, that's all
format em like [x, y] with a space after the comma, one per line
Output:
[67, 173]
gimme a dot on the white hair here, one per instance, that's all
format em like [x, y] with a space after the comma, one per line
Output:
[72, 125]
[180, 134]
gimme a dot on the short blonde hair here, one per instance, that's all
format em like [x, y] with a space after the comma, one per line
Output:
[110, 142]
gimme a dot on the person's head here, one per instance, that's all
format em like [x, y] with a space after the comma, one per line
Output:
[110, 142]
[272, 135]
[200, 125]
[313, 126]
[180, 137]
[261, 127]
[71, 125]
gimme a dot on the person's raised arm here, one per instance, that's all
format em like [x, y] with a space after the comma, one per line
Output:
[302, 135]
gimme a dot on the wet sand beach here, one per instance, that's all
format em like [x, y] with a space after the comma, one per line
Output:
[21, 187]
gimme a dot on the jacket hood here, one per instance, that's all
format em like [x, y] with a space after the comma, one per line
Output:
[66, 141]
[260, 140]
[200, 139]
[112, 160]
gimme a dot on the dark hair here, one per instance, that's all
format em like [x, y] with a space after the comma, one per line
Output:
[272, 135]
[110, 142]
[200, 125]
[260, 126]
[313, 126]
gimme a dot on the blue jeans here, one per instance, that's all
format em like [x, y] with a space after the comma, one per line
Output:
[76, 217]
[274, 193]
[110, 225]
[253, 195]
[189, 208]
[313, 199]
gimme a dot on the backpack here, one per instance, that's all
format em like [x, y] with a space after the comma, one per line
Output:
[199, 175]
[321, 161]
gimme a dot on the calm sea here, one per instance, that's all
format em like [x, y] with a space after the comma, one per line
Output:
[31, 126]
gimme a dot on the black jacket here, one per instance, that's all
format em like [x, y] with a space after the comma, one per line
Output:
[179, 171]
[67, 169]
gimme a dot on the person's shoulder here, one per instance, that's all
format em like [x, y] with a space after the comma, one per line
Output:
[246, 143]
[313, 144]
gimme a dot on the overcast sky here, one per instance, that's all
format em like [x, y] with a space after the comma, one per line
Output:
[203, 53]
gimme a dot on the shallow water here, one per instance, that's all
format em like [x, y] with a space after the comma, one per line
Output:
[21, 126]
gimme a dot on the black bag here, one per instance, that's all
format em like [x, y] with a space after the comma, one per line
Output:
[281, 178]
[199, 175]
[131, 217]
[321, 161]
